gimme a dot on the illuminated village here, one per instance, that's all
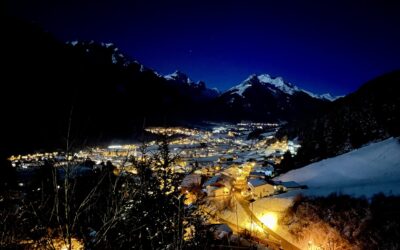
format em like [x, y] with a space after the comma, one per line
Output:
[228, 174]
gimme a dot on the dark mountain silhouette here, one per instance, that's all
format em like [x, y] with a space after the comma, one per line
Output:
[90, 89]
[91, 93]
[265, 98]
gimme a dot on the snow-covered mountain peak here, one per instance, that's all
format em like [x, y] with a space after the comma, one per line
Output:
[274, 84]
[216, 90]
[264, 79]
[178, 77]
[73, 43]
[251, 78]
[107, 45]
[239, 89]
[279, 83]
[182, 80]
[328, 97]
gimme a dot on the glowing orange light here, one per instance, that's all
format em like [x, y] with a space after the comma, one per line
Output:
[270, 220]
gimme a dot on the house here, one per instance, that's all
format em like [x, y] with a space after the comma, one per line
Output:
[284, 186]
[212, 181]
[221, 231]
[260, 188]
[270, 161]
[293, 147]
[267, 171]
[238, 161]
[217, 187]
[255, 174]
[190, 181]
[218, 192]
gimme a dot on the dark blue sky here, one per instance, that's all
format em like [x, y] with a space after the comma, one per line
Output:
[322, 46]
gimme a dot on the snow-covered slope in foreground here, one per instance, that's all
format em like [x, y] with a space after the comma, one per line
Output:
[366, 171]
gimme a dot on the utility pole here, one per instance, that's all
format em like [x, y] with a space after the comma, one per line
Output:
[251, 221]
[237, 220]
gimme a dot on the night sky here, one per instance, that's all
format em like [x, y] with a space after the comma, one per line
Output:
[322, 46]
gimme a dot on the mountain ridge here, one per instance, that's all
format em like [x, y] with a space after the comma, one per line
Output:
[108, 95]
[278, 83]
[180, 77]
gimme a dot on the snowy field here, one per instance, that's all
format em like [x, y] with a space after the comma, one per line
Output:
[363, 172]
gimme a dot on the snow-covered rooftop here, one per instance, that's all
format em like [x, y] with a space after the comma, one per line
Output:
[257, 182]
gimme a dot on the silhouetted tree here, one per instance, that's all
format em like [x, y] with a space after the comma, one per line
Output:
[8, 176]
[287, 162]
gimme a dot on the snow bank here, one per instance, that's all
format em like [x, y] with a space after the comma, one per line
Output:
[363, 172]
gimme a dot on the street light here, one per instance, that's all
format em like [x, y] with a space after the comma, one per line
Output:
[270, 220]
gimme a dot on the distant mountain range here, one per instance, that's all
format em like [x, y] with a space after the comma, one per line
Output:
[274, 84]
[261, 98]
[276, 87]
[99, 94]
[264, 97]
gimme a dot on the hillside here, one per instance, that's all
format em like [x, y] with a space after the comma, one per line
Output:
[363, 172]
[93, 90]
[369, 114]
